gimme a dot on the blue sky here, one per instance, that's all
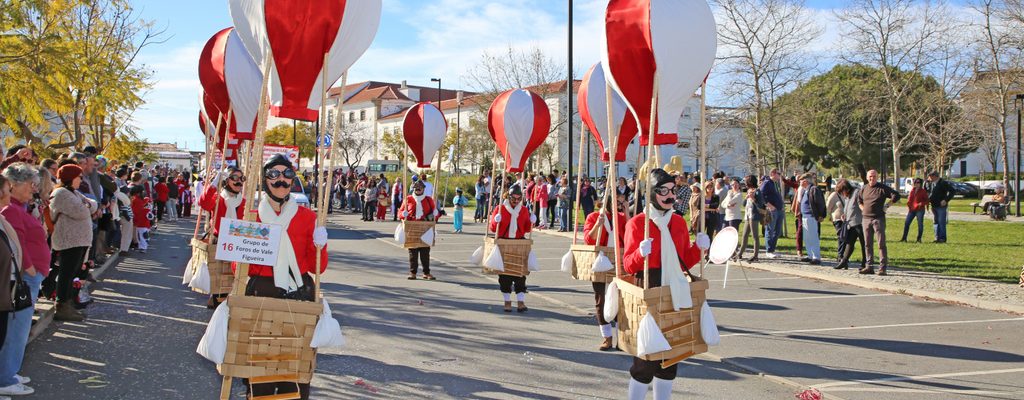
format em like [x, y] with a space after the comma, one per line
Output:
[417, 40]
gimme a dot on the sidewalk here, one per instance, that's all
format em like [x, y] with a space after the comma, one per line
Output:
[956, 216]
[980, 293]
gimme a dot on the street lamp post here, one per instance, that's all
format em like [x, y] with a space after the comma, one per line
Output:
[438, 80]
[1018, 103]
[458, 127]
[568, 97]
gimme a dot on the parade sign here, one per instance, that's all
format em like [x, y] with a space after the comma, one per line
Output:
[292, 152]
[248, 242]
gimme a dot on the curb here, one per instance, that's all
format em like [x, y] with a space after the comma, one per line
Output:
[889, 288]
[47, 310]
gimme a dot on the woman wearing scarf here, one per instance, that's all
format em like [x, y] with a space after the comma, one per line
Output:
[290, 277]
[512, 220]
[669, 253]
[419, 207]
[229, 198]
[598, 229]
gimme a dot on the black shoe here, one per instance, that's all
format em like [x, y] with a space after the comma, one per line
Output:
[815, 262]
[842, 266]
[805, 259]
[866, 271]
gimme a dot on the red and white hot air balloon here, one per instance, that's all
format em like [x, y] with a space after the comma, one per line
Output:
[232, 80]
[519, 121]
[594, 113]
[673, 40]
[298, 33]
[424, 128]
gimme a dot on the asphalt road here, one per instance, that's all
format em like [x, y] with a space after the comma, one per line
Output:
[450, 339]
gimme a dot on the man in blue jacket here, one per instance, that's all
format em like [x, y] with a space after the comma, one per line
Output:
[773, 200]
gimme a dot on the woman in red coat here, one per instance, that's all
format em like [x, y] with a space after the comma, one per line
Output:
[598, 229]
[419, 207]
[512, 220]
[668, 246]
[290, 276]
[917, 203]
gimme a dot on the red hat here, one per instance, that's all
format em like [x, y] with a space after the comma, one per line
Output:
[69, 172]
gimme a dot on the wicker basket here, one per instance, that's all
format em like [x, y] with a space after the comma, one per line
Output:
[221, 275]
[681, 328]
[414, 230]
[583, 256]
[270, 337]
[514, 252]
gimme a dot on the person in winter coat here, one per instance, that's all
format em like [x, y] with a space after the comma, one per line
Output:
[853, 222]
[917, 203]
[812, 212]
[512, 220]
[290, 276]
[598, 227]
[227, 202]
[419, 207]
[124, 206]
[142, 207]
[732, 205]
[668, 247]
[72, 235]
[754, 211]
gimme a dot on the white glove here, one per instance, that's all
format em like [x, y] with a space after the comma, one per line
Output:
[217, 177]
[497, 218]
[645, 247]
[405, 214]
[533, 219]
[320, 236]
[703, 241]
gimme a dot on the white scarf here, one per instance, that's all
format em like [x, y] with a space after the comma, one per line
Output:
[513, 223]
[231, 202]
[671, 272]
[419, 205]
[287, 275]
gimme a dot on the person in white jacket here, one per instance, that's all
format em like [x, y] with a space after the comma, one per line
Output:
[732, 203]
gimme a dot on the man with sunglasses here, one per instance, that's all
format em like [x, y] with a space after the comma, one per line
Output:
[229, 198]
[290, 276]
[598, 229]
[512, 220]
[669, 254]
[419, 207]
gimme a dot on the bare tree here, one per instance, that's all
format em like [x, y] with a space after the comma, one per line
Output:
[354, 143]
[1000, 59]
[895, 36]
[765, 46]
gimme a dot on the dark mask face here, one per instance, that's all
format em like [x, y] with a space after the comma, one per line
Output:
[663, 197]
[515, 199]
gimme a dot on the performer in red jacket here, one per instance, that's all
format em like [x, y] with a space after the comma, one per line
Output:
[296, 258]
[598, 229]
[419, 207]
[667, 247]
[512, 220]
[229, 197]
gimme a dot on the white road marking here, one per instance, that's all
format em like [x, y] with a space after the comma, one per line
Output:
[967, 392]
[853, 328]
[918, 377]
[768, 300]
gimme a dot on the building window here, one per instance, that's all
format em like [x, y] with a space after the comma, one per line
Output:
[362, 115]
[351, 116]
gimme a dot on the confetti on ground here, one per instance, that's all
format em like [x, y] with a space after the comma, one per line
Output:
[809, 394]
[366, 386]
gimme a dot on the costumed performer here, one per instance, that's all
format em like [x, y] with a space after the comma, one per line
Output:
[228, 198]
[512, 220]
[597, 229]
[669, 253]
[460, 202]
[419, 207]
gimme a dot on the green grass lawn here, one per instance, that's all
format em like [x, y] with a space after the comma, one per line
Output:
[986, 250]
[960, 205]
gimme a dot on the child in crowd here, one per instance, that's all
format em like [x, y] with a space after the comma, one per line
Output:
[141, 210]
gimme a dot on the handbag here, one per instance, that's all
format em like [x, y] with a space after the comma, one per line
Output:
[21, 297]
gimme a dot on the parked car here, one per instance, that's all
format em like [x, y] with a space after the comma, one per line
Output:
[299, 193]
[965, 189]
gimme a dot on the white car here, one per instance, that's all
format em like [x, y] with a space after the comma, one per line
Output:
[299, 193]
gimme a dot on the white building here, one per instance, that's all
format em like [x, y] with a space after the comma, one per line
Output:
[171, 157]
[982, 159]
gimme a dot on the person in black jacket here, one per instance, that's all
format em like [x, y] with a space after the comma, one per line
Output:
[812, 212]
[939, 195]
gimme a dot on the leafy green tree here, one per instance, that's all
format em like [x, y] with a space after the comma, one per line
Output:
[304, 137]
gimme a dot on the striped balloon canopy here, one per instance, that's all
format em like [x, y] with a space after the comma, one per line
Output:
[658, 48]
[424, 128]
[297, 34]
[231, 78]
[593, 105]
[519, 121]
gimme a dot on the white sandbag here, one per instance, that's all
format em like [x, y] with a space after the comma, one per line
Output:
[215, 341]
[428, 237]
[649, 339]
[477, 257]
[708, 328]
[328, 331]
[567, 261]
[602, 263]
[532, 264]
[201, 280]
[400, 233]
[190, 271]
[494, 260]
[611, 301]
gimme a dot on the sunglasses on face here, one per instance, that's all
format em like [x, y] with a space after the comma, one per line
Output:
[516, 198]
[237, 178]
[662, 190]
[272, 174]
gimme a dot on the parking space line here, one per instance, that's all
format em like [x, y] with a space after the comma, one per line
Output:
[918, 377]
[966, 392]
[854, 328]
[768, 300]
